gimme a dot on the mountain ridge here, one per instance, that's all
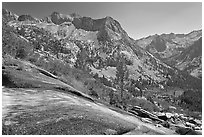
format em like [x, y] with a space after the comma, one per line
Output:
[167, 47]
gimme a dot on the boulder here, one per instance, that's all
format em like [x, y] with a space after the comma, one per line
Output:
[192, 121]
[133, 112]
[158, 125]
[146, 120]
[110, 132]
[164, 117]
[190, 124]
[176, 115]
[199, 122]
[169, 115]
[197, 128]
[172, 107]
[166, 124]
[186, 131]
[137, 107]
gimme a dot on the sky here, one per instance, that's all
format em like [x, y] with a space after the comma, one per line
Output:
[138, 19]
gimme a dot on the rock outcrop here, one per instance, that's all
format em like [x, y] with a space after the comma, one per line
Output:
[26, 18]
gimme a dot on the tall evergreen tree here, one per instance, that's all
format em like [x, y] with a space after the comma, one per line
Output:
[121, 76]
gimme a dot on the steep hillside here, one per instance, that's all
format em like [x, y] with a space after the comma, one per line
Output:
[190, 59]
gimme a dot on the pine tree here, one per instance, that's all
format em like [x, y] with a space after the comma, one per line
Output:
[121, 76]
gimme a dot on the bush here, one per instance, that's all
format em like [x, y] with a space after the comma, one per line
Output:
[149, 98]
[192, 100]
[21, 53]
[32, 59]
[93, 93]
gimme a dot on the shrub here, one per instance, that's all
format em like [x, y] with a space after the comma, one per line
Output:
[21, 53]
[192, 100]
[32, 59]
[93, 93]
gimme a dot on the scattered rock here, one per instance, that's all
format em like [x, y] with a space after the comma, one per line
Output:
[164, 117]
[165, 124]
[192, 121]
[197, 128]
[176, 115]
[140, 113]
[199, 122]
[172, 120]
[190, 118]
[146, 120]
[133, 112]
[136, 107]
[172, 107]
[110, 132]
[169, 115]
[158, 125]
[183, 117]
[188, 124]
[186, 131]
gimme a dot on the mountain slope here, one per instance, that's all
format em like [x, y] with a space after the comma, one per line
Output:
[190, 59]
[170, 48]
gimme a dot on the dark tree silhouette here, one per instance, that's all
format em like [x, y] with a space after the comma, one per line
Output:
[121, 76]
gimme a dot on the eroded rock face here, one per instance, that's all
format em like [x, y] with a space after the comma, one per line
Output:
[85, 23]
[108, 27]
[58, 18]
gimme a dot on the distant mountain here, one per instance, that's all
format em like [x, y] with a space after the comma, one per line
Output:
[173, 48]
[190, 59]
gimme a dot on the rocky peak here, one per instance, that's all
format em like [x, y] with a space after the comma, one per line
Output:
[26, 18]
[107, 27]
[113, 25]
[58, 18]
